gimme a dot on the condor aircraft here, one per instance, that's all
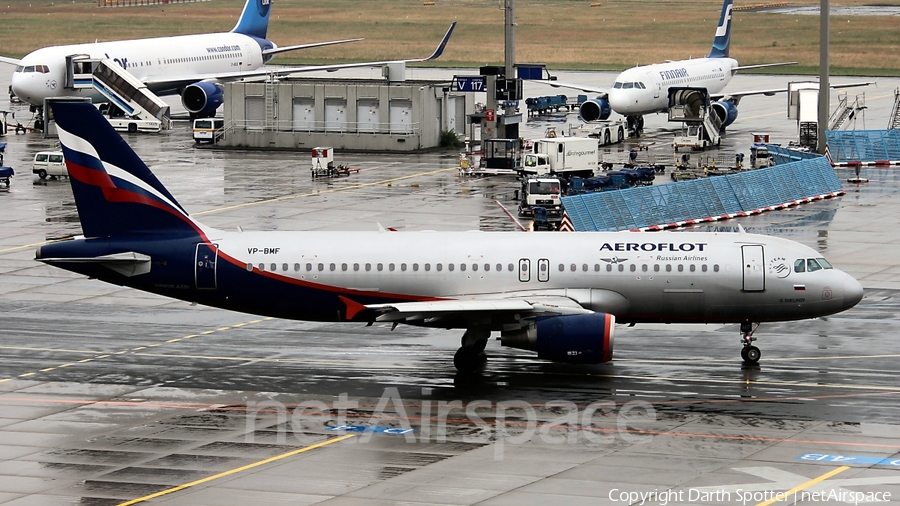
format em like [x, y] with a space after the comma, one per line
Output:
[188, 65]
[557, 294]
[645, 89]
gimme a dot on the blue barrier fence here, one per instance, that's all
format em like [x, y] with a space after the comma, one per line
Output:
[787, 155]
[863, 145]
[701, 198]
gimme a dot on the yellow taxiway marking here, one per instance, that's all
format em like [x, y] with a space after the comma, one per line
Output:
[27, 374]
[86, 360]
[206, 332]
[802, 486]
[174, 340]
[65, 365]
[222, 328]
[5, 379]
[237, 470]
[47, 369]
[102, 356]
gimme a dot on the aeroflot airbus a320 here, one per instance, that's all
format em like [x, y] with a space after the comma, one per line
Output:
[557, 294]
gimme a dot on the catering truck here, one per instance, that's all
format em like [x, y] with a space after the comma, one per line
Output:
[562, 156]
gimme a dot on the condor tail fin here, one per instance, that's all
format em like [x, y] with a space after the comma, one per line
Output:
[254, 20]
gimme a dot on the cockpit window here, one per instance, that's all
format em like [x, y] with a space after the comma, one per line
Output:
[824, 263]
[617, 86]
[641, 85]
[812, 265]
[800, 265]
[43, 69]
[628, 86]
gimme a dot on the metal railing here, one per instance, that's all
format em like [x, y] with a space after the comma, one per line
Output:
[335, 127]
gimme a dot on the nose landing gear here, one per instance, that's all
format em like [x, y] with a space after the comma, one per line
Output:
[749, 353]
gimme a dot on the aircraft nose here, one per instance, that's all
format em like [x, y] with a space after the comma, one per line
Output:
[853, 292]
[619, 101]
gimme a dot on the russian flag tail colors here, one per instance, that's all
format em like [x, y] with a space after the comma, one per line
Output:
[115, 192]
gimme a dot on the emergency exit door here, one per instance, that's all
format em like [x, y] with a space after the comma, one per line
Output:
[524, 270]
[754, 272]
[205, 261]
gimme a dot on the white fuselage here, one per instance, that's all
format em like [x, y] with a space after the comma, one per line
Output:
[645, 90]
[173, 61]
[695, 277]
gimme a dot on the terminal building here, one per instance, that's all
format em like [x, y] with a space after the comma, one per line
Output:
[360, 115]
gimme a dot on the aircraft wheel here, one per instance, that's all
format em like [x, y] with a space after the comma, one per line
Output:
[469, 359]
[751, 354]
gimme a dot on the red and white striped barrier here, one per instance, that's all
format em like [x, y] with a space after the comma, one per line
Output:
[740, 214]
[877, 163]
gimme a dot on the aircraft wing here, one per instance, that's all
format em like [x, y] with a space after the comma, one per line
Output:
[581, 87]
[287, 71]
[277, 50]
[736, 97]
[11, 61]
[499, 308]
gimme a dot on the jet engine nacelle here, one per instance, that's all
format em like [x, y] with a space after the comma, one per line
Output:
[726, 111]
[595, 109]
[574, 339]
[202, 99]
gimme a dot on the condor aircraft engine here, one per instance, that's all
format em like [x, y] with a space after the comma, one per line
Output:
[559, 295]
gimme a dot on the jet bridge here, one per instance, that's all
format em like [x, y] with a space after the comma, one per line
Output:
[117, 85]
[701, 126]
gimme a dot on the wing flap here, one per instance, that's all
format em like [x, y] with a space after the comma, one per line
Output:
[476, 308]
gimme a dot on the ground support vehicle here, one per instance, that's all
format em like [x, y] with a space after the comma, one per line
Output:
[562, 156]
[210, 130]
[49, 163]
[606, 132]
[323, 164]
[541, 192]
[135, 125]
[5, 172]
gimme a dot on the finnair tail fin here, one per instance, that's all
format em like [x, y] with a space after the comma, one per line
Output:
[115, 192]
[723, 33]
[254, 20]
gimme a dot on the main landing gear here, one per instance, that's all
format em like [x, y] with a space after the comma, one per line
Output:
[749, 353]
[470, 356]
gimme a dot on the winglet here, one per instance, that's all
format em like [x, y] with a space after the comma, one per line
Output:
[440, 49]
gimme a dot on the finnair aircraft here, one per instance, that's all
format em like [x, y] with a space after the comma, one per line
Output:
[645, 89]
[557, 294]
[188, 65]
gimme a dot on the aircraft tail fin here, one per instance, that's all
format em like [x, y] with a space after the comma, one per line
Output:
[115, 192]
[723, 33]
[254, 20]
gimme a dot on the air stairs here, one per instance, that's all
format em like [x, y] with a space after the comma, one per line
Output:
[846, 111]
[701, 127]
[894, 122]
[117, 85]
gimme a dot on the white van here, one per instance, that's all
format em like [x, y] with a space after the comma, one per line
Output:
[208, 130]
[49, 163]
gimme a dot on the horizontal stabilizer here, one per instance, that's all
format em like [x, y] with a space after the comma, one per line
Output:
[127, 264]
[277, 50]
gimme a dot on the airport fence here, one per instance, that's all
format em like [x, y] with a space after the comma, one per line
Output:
[702, 199]
[863, 145]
